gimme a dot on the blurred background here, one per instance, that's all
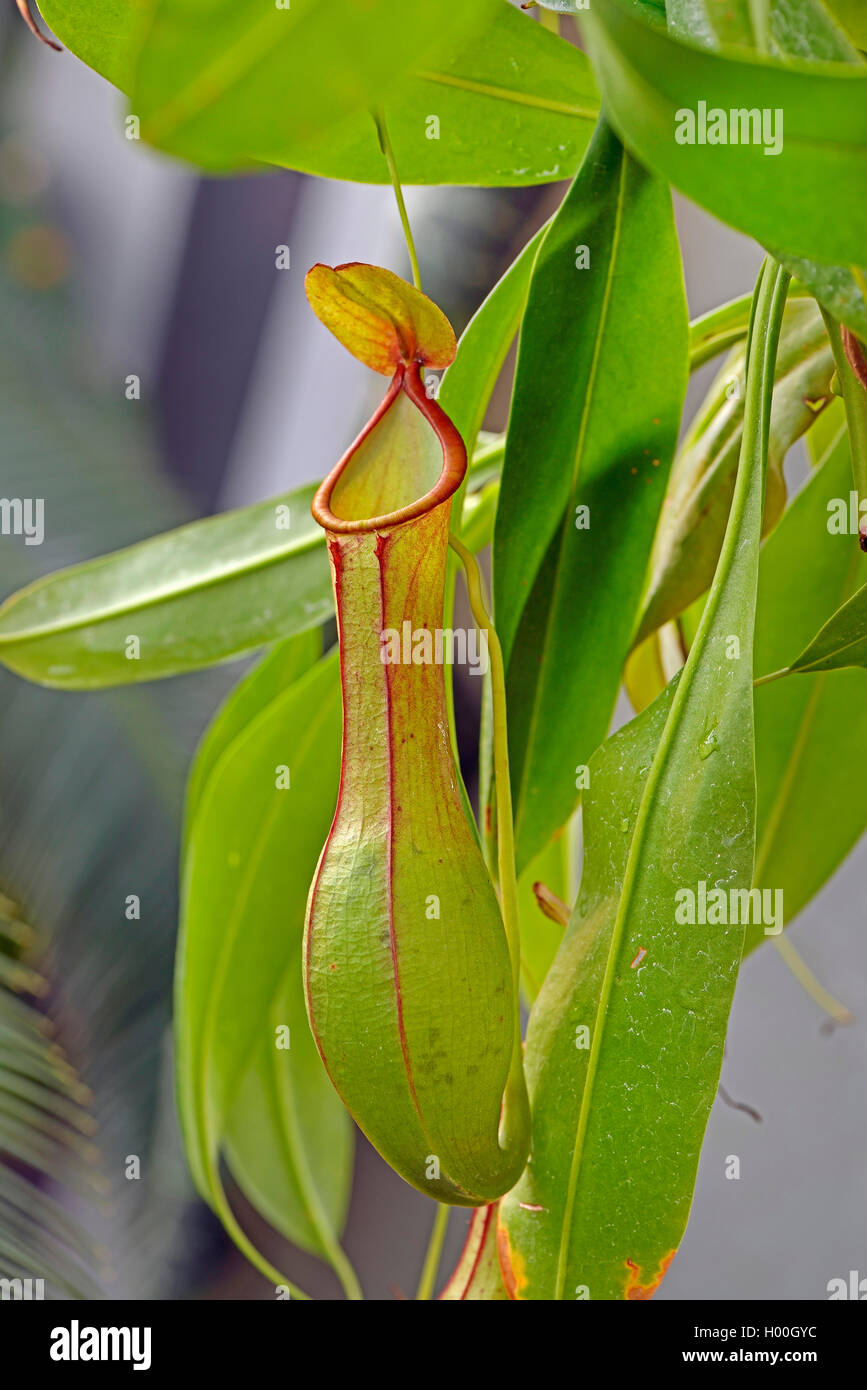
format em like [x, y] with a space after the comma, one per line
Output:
[115, 262]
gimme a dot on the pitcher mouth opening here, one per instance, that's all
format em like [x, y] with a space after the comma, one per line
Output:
[407, 378]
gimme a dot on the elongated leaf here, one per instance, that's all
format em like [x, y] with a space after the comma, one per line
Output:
[239, 963]
[651, 83]
[268, 680]
[795, 28]
[595, 456]
[800, 29]
[811, 732]
[225, 82]
[843, 639]
[687, 544]
[515, 106]
[191, 597]
[289, 1140]
[625, 1041]
[852, 16]
[466, 387]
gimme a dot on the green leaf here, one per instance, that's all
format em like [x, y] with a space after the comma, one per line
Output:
[842, 641]
[796, 28]
[800, 29]
[607, 446]
[192, 597]
[268, 679]
[691, 529]
[466, 387]
[289, 1140]
[852, 16]
[620, 1111]
[811, 733]
[514, 106]
[835, 287]
[224, 82]
[252, 849]
[102, 34]
[651, 83]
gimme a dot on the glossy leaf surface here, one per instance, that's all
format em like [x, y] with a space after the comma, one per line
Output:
[803, 30]
[620, 1107]
[192, 597]
[515, 106]
[842, 640]
[687, 544]
[648, 77]
[811, 730]
[239, 961]
[607, 446]
[226, 82]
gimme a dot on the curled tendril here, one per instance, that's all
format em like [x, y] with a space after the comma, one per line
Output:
[26, 14]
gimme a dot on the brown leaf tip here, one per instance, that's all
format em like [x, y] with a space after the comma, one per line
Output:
[26, 15]
[553, 907]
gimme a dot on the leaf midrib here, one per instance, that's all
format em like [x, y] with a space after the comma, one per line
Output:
[576, 470]
[796, 755]
[256, 563]
[731, 548]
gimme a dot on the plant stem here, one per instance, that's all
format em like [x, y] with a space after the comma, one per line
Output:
[434, 1251]
[854, 402]
[386, 147]
[549, 19]
[759, 17]
[516, 1109]
[807, 980]
[712, 333]
[244, 1244]
[771, 676]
